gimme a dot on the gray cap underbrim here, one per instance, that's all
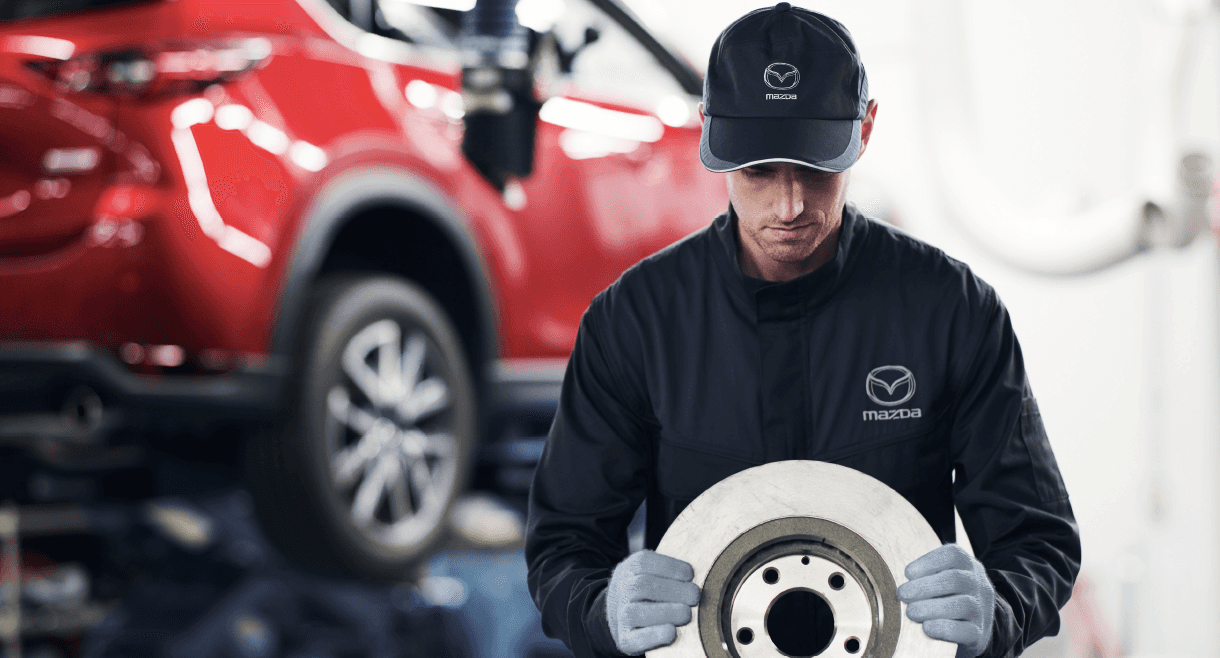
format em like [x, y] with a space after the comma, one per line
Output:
[732, 143]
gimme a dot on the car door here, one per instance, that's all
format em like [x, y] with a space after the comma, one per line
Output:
[617, 174]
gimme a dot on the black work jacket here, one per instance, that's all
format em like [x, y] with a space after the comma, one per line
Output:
[686, 371]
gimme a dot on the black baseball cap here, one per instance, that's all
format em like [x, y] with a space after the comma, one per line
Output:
[784, 84]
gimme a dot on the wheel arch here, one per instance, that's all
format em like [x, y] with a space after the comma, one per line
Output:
[335, 237]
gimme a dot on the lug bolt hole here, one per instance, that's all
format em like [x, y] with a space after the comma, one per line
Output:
[746, 636]
[771, 575]
[852, 645]
[836, 581]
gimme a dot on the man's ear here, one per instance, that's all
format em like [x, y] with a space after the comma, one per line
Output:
[866, 125]
[700, 111]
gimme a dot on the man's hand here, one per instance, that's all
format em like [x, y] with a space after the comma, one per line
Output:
[649, 596]
[949, 592]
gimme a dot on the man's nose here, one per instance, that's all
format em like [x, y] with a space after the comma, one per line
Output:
[791, 200]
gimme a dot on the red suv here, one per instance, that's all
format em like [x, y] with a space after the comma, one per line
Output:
[261, 217]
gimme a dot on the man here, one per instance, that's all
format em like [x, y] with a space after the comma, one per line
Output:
[795, 328]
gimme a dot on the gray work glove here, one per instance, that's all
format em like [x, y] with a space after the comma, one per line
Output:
[949, 592]
[649, 596]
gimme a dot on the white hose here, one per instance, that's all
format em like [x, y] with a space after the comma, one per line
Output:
[1063, 242]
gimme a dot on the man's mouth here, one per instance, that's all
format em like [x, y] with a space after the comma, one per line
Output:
[791, 229]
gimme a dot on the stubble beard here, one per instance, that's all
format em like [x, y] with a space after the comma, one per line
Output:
[792, 251]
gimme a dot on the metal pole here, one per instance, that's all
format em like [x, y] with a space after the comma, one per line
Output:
[10, 581]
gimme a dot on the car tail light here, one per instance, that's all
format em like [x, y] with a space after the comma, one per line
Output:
[174, 360]
[153, 71]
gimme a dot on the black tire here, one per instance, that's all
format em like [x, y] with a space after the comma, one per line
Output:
[312, 484]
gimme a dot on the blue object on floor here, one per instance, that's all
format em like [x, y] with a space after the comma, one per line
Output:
[226, 593]
[498, 612]
[222, 591]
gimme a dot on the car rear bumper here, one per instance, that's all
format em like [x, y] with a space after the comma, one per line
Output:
[73, 390]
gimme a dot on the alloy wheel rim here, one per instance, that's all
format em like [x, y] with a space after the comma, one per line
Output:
[391, 449]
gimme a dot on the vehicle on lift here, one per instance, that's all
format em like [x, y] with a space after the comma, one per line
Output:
[280, 223]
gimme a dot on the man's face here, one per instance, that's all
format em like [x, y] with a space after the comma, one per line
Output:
[785, 212]
[788, 214]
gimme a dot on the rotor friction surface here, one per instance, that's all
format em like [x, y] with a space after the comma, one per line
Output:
[875, 533]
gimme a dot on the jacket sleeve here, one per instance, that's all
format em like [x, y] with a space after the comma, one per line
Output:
[589, 482]
[1008, 490]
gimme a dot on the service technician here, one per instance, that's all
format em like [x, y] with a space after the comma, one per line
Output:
[793, 327]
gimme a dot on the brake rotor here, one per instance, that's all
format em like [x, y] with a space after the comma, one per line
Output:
[800, 558]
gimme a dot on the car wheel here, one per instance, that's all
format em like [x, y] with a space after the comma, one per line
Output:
[380, 432]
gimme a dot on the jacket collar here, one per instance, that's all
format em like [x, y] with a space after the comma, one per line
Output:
[777, 300]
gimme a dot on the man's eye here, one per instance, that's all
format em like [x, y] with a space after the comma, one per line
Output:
[756, 173]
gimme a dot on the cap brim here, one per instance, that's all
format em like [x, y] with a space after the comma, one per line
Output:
[731, 143]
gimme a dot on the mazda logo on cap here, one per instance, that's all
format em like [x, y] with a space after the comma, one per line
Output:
[781, 76]
[890, 386]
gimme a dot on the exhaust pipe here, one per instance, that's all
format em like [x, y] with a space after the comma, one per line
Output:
[82, 411]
